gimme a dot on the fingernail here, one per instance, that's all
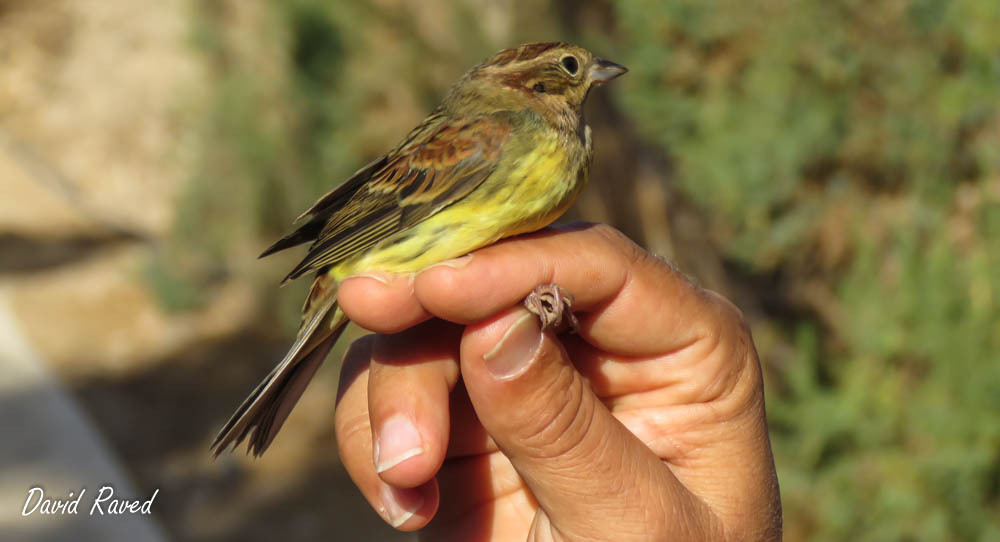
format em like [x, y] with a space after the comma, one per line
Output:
[517, 348]
[397, 441]
[455, 263]
[399, 505]
[384, 278]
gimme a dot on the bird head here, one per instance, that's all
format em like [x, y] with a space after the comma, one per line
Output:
[550, 78]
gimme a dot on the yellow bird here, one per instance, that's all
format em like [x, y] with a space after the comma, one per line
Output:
[505, 153]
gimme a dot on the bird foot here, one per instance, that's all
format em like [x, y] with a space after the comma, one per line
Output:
[552, 304]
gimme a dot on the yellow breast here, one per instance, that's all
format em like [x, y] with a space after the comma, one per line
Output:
[527, 192]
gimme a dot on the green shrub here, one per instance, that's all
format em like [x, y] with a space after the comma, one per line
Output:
[854, 145]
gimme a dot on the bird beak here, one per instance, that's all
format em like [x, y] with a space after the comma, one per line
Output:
[605, 70]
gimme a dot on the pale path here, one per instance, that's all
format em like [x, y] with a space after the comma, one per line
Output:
[47, 441]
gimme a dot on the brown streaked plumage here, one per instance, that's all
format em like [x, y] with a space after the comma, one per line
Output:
[436, 167]
[505, 153]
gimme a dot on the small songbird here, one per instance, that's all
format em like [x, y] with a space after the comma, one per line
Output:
[505, 153]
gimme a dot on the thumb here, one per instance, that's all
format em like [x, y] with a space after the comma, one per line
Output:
[591, 477]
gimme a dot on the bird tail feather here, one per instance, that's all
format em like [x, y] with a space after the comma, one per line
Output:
[265, 410]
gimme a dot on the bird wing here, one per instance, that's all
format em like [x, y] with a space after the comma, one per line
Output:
[440, 162]
[324, 207]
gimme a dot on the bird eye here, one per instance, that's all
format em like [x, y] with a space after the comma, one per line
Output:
[538, 87]
[571, 64]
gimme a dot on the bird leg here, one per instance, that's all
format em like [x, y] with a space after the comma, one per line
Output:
[552, 304]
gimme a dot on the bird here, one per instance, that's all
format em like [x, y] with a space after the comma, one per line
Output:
[505, 153]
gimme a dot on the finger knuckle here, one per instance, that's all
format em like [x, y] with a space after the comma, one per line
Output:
[730, 315]
[616, 239]
[560, 430]
[351, 428]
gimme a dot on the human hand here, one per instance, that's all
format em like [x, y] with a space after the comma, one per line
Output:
[648, 425]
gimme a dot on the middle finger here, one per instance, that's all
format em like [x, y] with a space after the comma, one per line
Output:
[412, 375]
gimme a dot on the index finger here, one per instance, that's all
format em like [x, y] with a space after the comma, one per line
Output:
[628, 301]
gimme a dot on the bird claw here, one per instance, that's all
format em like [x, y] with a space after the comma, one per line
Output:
[552, 304]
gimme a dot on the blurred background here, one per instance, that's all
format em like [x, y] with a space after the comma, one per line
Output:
[831, 166]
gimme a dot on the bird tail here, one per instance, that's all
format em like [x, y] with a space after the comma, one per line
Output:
[264, 411]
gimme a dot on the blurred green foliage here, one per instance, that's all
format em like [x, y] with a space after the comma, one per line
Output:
[846, 152]
[853, 147]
